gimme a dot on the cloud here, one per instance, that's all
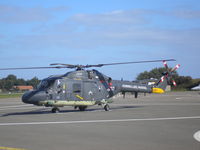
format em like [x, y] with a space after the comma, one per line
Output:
[16, 14]
[186, 14]
[117, 18]
[2, 36]
[171, 39]
[138, 27]
[145, 33]
[115, 28]
[59, 9]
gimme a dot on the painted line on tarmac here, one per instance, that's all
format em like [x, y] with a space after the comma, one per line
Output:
[98, 121]
[17, 107]
[9, 103]
[160, 104]
[10, 148]
[14, 106]
[197, 136]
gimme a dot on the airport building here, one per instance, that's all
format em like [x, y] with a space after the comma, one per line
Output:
[23, 87]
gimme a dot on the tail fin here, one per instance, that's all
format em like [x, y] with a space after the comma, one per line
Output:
[161, 85]
[164, 81]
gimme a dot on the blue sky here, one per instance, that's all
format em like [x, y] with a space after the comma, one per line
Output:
[37, 33]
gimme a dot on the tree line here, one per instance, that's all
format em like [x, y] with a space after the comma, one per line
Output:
[6, 84]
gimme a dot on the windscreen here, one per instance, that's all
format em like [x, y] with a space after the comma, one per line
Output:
[46, 83]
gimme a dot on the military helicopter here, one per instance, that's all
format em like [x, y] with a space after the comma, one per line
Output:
[82, 88]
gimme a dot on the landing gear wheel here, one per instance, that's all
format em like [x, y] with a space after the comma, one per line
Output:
[82, 108]
[55, 110]
[106, 107]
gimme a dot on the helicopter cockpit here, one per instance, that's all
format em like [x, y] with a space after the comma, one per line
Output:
[46, 83]
[43, 85]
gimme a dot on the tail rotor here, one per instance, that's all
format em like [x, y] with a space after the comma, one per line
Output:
[170, 71]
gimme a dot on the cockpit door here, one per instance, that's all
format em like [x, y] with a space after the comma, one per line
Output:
[74, 90]
[60, 89]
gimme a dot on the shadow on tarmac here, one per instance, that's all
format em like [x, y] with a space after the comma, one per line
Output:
[47, 111]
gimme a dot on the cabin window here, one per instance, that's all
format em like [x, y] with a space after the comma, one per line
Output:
[90, 74]
[76, 88]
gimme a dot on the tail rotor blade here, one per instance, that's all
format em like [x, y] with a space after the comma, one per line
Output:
[174, 83]
[165, 64]
[175, 68]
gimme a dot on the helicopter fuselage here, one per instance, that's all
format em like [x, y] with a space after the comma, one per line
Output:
[80, 88]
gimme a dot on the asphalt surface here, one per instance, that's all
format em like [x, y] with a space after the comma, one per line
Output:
[151, 122]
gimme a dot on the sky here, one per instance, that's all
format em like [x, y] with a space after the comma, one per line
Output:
[37, 33]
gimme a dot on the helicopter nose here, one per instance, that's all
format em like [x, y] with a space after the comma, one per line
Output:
[26, 97]
[33, 97]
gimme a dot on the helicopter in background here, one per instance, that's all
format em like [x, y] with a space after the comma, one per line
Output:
[82, 88]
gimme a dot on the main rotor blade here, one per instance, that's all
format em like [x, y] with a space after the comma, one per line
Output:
[61, 65]
[64, 65]
[57, 67]
[133, 62]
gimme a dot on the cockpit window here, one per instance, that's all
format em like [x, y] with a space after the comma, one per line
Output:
[46, 83]
[43, 84]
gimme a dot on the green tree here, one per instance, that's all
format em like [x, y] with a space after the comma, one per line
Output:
[11, 77]
[2, 84]
[34, 82]
[9, 82]
[20, 82]
[156, 73]
[183, 82]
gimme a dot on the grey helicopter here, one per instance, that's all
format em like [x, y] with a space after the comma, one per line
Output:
[82, 88]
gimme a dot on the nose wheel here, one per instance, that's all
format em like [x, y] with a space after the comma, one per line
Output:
[55, 110]
[104, 104]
